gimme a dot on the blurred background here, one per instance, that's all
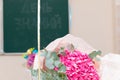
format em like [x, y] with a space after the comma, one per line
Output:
[95, 21]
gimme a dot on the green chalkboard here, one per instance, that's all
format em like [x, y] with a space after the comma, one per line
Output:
[20, 23]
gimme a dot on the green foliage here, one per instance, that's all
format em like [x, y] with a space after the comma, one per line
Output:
[94, 54]
[52, 59]
[34, 72]
[62, 68]
[57, 63]
[53, 75]
[49, 75]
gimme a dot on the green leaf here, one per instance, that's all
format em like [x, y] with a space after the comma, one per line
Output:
[62, 69]
[94, 54]
[44, 53]
[61, 51]
[54, 56]
[57, 63]
[48, 56]
[34, 72]
[60, 65]
[52, 75]
[49, 63]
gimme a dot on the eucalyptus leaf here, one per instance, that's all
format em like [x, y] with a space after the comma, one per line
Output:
[34, 72]
[61, 51]
[48, 55]
[57, 63]
[54, 56]
[49, 63]
[94, 54]
[62, 69]
[52, 75]
[43, 54]
[60, 65]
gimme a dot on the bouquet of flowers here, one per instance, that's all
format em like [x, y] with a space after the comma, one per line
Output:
[71, 58]
[64, 64]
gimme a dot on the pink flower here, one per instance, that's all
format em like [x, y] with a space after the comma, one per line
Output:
[79, 66]
[56, 68]
[30, 60]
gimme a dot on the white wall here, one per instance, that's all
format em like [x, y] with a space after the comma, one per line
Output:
[11, 68]
[91, 19]
[117, 2]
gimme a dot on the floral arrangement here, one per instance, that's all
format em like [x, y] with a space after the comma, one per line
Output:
[65, 64]
[30, 56]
